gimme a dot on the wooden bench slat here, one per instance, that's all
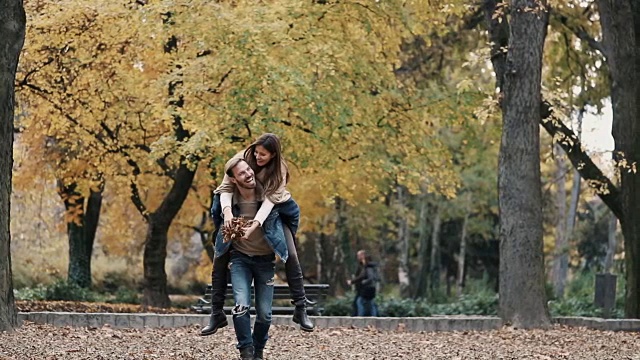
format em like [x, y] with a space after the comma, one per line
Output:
[314, 292]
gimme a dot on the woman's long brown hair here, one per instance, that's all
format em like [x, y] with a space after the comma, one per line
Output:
[273, 169]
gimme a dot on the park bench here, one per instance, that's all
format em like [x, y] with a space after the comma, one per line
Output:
[316, 293]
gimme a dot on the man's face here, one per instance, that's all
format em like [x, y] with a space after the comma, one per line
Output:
[360, 256]
[243, 176]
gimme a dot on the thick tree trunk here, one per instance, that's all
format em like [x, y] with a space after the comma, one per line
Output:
[155, 254]
[498, 27]
[81, 230]
[522, 290]
[12, 30]
[403, 244]
[158, 222]
[561, 255]
[155, 247]
[422, 281]
[620, 21]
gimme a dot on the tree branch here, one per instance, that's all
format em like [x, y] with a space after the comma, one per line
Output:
[580, 33]
[137, 200]
[580, 160]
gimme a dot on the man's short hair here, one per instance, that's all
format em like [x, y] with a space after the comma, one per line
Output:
[233, 162]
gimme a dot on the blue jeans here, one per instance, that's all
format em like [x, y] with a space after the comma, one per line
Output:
[366, 307]
[244, 270]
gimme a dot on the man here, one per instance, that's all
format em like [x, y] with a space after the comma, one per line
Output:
[252, 260]
[365, 280]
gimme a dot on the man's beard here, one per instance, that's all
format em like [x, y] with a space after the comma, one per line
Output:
[246, 186]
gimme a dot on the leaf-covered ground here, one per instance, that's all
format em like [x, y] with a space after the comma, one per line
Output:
[33, 341]
[91, 307]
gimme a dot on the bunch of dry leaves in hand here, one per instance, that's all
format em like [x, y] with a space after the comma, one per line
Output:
[236, 229]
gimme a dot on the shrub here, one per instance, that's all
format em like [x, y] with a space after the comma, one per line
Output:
[482, 303]
[31, 293]
[403, 307]
[125, 296]
[63, 290]
[59, 290]
[579, 298]
[113, 281]
[573, 306]
[393, 307]
[342, 306]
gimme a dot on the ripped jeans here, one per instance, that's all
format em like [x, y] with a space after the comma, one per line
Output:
[261, 270]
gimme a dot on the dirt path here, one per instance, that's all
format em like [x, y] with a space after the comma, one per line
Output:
[47, 342]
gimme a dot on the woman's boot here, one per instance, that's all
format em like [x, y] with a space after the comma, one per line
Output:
[218, 289]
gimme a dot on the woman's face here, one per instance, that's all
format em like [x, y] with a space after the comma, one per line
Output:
[263, 156]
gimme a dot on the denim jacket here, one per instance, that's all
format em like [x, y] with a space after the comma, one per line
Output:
[272, 227]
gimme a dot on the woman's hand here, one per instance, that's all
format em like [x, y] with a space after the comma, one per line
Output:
[228, 216]
[247, 233]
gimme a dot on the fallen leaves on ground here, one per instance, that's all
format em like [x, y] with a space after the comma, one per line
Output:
[33, 341]
[91, 307]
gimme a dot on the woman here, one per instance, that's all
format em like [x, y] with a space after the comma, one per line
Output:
[265, 158]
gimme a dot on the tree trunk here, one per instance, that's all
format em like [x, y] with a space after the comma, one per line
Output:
[403, 244]
[499, 35]
[434, 259]
[319, 240]
[158, 222]
[574, 200]
[383, 243]
[522, 290]
[611, 244]
[575, 190]
[81, 230]
[12, 30]
[463, 247]
[206, 238]
[620, 22]
[345, 254]
[422, 282]
[155, 248]
[561, 256]
[155, 254]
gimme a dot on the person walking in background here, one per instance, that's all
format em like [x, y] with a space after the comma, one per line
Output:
[366, 282]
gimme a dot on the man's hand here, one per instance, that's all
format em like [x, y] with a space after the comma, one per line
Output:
[247, 233]
[228, 216]
[236, 230]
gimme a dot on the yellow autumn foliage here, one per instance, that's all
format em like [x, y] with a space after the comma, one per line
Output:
[101, 85]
